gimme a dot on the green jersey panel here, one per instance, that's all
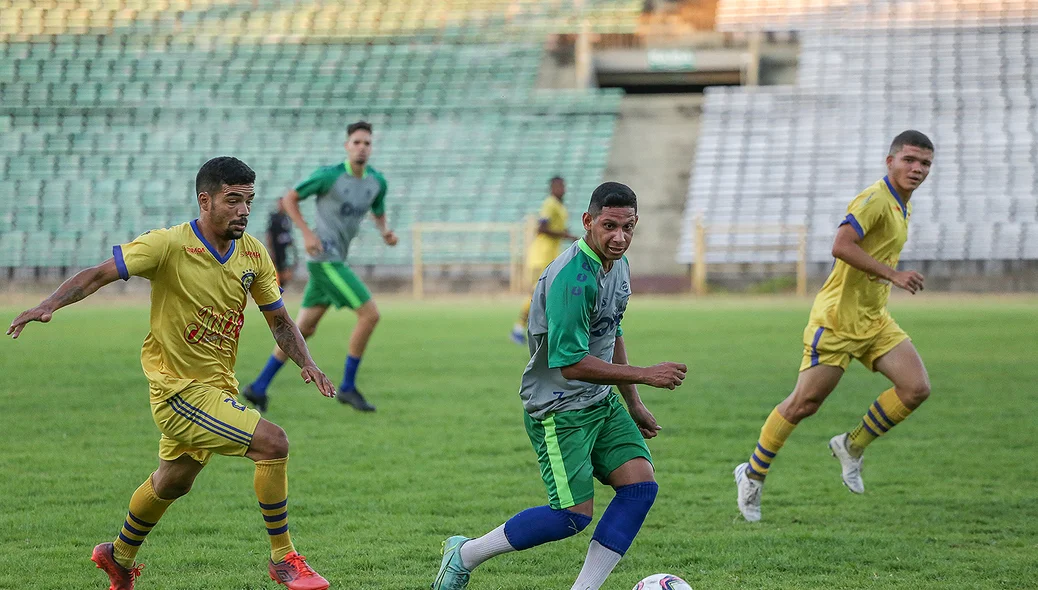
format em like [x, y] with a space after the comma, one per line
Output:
[575, 311]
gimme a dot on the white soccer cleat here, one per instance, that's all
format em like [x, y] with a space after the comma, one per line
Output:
[850, 464]
[749, 493]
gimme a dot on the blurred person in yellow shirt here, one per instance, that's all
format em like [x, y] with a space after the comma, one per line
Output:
[546, 246]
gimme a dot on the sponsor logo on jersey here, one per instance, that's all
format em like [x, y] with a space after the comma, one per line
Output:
[194, 249]
[211, 326]
[251, 254]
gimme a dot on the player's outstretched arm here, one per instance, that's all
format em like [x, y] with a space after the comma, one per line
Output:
[847, 248]
[383, 229]
[642, 416]
[291, 342]
[310, 240]
[77, 287]
[595, 370]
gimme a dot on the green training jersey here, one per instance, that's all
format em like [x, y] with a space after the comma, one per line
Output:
[576, 311]
[342, 202]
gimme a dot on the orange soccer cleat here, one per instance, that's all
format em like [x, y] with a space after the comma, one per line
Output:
[296, 574]
[121, 578]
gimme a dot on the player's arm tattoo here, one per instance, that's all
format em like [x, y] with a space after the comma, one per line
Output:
[81, 285]
[288, 338]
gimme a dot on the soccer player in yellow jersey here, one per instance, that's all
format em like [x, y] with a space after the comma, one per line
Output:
[850, 319]
[546, 246]
[202, 274]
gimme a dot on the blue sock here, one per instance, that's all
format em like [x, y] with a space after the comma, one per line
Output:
[625, 515]
[260, 385]
[536, 526]
[349, 377]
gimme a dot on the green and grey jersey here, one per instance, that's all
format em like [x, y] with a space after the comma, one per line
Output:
[576, 311]
[342, 202]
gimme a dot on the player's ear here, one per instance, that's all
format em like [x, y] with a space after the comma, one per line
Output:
[890, 160]
[586, 218]
[203, 201]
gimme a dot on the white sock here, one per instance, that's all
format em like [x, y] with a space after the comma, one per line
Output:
[476, 551]
[597, 567]
[519, 329]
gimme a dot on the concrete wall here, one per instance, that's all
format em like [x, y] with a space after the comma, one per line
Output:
[652, 151]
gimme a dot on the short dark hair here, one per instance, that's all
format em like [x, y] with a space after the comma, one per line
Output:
[555, 179]
[912, 138]
[220, 171]
[612, 194]
[358, 126]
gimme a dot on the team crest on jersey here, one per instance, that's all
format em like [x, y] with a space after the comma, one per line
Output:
[247, 278]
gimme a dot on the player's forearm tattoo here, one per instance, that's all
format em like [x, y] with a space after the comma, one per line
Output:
[65, 296]
[290, 340]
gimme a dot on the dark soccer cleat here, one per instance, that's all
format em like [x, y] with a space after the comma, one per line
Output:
[258, 401]
[119, 577]
[355, 399]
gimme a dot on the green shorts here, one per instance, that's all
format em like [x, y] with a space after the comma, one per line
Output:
[333, 283]
[573, 447]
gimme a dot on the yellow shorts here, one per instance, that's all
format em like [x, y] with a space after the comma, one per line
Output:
[202, 420]
[534, 271]
[823, 347]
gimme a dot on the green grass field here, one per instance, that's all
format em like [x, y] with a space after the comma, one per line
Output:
[951, 499]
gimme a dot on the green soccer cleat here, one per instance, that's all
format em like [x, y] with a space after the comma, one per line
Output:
[452, 574]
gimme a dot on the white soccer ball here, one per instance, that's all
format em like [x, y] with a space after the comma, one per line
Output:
[662, 582]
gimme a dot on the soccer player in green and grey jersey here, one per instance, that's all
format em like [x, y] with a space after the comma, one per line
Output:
[345, 193]
[578, 427]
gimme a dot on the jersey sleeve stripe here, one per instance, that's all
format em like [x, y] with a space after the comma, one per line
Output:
[853, 222]
[272, 306]
[120, 262]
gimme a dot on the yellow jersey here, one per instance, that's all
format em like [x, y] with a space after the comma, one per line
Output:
[198, 301]
[852, 303]
[546, 248]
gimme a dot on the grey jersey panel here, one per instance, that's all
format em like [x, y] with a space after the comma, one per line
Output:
[340, 211]
[544, 390]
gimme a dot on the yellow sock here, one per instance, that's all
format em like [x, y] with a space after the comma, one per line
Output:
[146, 509]
[884, 413]
[271, 483]
[773, 435]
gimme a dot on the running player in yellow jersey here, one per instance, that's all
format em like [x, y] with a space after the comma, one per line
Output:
[850, 319]
[201, 275]
[546, 246]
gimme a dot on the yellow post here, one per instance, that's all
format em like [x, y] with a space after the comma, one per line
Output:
[699, 264]
[802, 263]
[416, 262]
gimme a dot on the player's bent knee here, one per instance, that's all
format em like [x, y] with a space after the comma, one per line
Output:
[916, 394]
[307, 331]
[169, 488]
[587, 508]
[369, 314]
[800, 408]
[270, 442]
[279, 444]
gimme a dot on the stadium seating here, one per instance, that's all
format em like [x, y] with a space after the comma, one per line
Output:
[473, 20]
[103, 133]
[797, 155]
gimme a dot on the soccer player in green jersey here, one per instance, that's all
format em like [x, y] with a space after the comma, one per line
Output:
[345, 193]
[578, 427]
